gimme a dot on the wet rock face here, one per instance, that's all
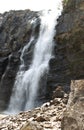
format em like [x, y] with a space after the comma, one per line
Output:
[68, 62]
[15, 31]
[74, 115]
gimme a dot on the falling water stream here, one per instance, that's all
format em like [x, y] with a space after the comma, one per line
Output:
[27, 81]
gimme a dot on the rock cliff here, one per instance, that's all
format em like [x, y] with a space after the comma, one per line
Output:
[70, 37]
[69, 44]
[15, 32]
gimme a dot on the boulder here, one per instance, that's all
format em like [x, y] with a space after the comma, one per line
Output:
[73, 118]
[31, 126]
[58, 92]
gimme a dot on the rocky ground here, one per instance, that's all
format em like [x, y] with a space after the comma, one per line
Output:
[54, 115]
[46, 117]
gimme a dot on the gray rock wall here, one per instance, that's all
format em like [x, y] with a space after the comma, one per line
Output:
[68, 62]
[15, 31]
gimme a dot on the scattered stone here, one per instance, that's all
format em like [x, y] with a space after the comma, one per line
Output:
[46, 104]
[58, 93]
[46, 117]
[65, 101]
[41, 119]
[31, 126]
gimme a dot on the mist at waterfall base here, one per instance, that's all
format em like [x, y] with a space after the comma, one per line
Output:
[27, 83]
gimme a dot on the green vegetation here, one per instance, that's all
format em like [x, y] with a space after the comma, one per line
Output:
[65, 2]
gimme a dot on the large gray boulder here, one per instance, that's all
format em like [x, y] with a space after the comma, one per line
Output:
[73, 118]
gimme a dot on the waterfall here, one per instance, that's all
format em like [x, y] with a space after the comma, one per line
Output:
[27, 82]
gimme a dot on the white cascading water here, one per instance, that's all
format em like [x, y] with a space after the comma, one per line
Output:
[27, 81]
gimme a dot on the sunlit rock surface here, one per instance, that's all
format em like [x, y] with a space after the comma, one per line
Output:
[73, 118]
